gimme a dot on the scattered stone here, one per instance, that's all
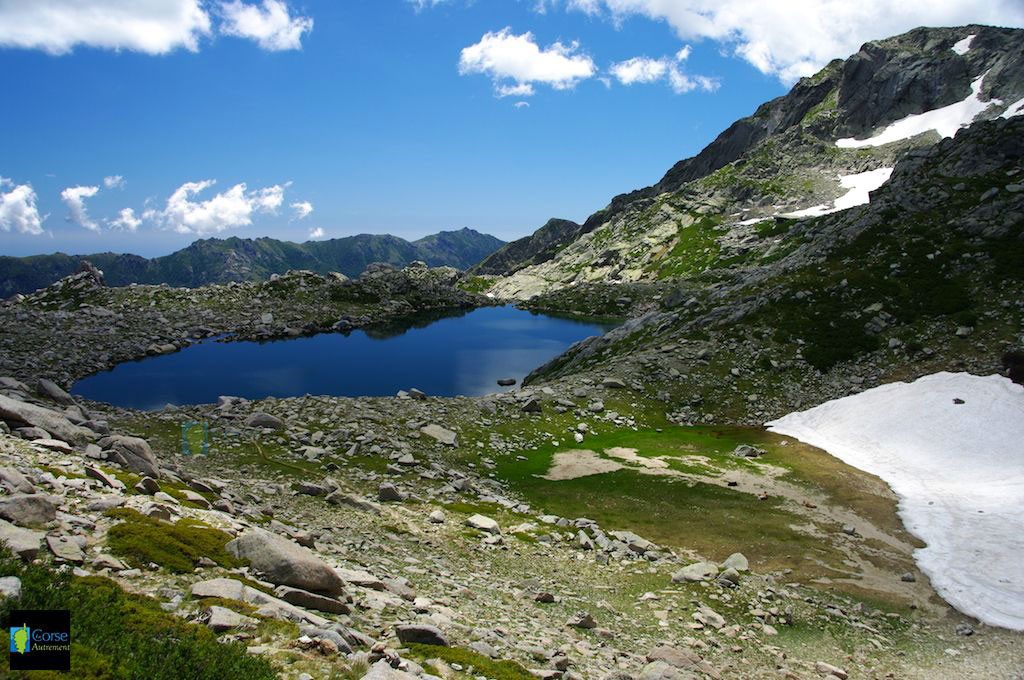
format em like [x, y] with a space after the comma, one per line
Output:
[828, 669]
[28, 510]
[436, 517]
[284, 562]
[24, 543]
[483, 524]
[14, 481]
[388, 493]
[736, 561]
[55, 424]
[220, 619]
[699, 571]
[582, 620]
[265, 421]
[421, 634]
[10, 587]
[133, 453]
[441, 434]
[65, 549]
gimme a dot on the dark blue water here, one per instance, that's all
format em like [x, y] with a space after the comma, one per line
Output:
[455, 355]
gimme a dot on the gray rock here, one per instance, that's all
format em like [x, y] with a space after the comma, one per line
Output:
[65, 548]
[436, 517]
[352, 500]
[582, 620]
[613, 383]
[264, 420]
[659, 670]
[103, 477]
[441, 434]
[531, 405]
[674, 656]
[10, 587]
[422, 634]
[24, 543]
[382, 671]
[304, 598]
[21, 413]
[14, 481]
[736, 561]
[50, 389]
[131, 452]
[388, 492]
[483, 524]
[284, 562]
[27, 510]
[699, 571]
[220, 619]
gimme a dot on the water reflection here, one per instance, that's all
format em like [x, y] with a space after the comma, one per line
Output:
[442, 354]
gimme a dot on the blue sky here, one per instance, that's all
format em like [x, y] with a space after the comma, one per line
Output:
[382, 116]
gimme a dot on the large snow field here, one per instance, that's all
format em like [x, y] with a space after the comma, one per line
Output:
[958, 469]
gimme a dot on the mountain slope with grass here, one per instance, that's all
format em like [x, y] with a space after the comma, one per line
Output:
[213, 261]
[822, 147]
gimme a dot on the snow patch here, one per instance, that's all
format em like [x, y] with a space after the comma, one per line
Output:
[1014, 109]
[962, 47]
[946, 121]
[958, 469]
[858, 187]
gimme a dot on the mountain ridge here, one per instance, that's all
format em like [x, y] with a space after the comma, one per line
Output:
[215, 260]
[785, 152]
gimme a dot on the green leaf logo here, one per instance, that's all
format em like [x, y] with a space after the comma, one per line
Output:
[21, 639]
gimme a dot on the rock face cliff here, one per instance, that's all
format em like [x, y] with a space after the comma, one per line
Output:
[820, 148]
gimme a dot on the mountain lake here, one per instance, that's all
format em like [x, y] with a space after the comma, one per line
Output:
[442, 354]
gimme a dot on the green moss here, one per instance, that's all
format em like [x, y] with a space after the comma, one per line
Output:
[476, 284]
[142, 540]
[475, 665]
[121, 635]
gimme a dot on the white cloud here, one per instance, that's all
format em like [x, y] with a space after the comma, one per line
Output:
[74, 199]
[227, 210]
[18, 209]
[57, 26]
[522, 105]
[426, 4]
[114, 182]
[270, 25]
[515, 63]
[794, 39]
[517, 90]
[302, 209]
[125, 220]
[647, 70]
[316, 233]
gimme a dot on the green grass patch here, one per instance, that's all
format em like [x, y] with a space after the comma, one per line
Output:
[120, 635]
[142, 540]
[713, 520]
[475, 665]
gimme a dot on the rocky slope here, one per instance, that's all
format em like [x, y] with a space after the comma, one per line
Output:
[799, 155]
[216, 261]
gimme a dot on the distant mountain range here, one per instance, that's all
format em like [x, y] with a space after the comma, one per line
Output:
[240, 259]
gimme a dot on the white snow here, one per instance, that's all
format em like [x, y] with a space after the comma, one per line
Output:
[1014, 109]
[958, 470]
[858, 187]
[946, 121]
[962, 47]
